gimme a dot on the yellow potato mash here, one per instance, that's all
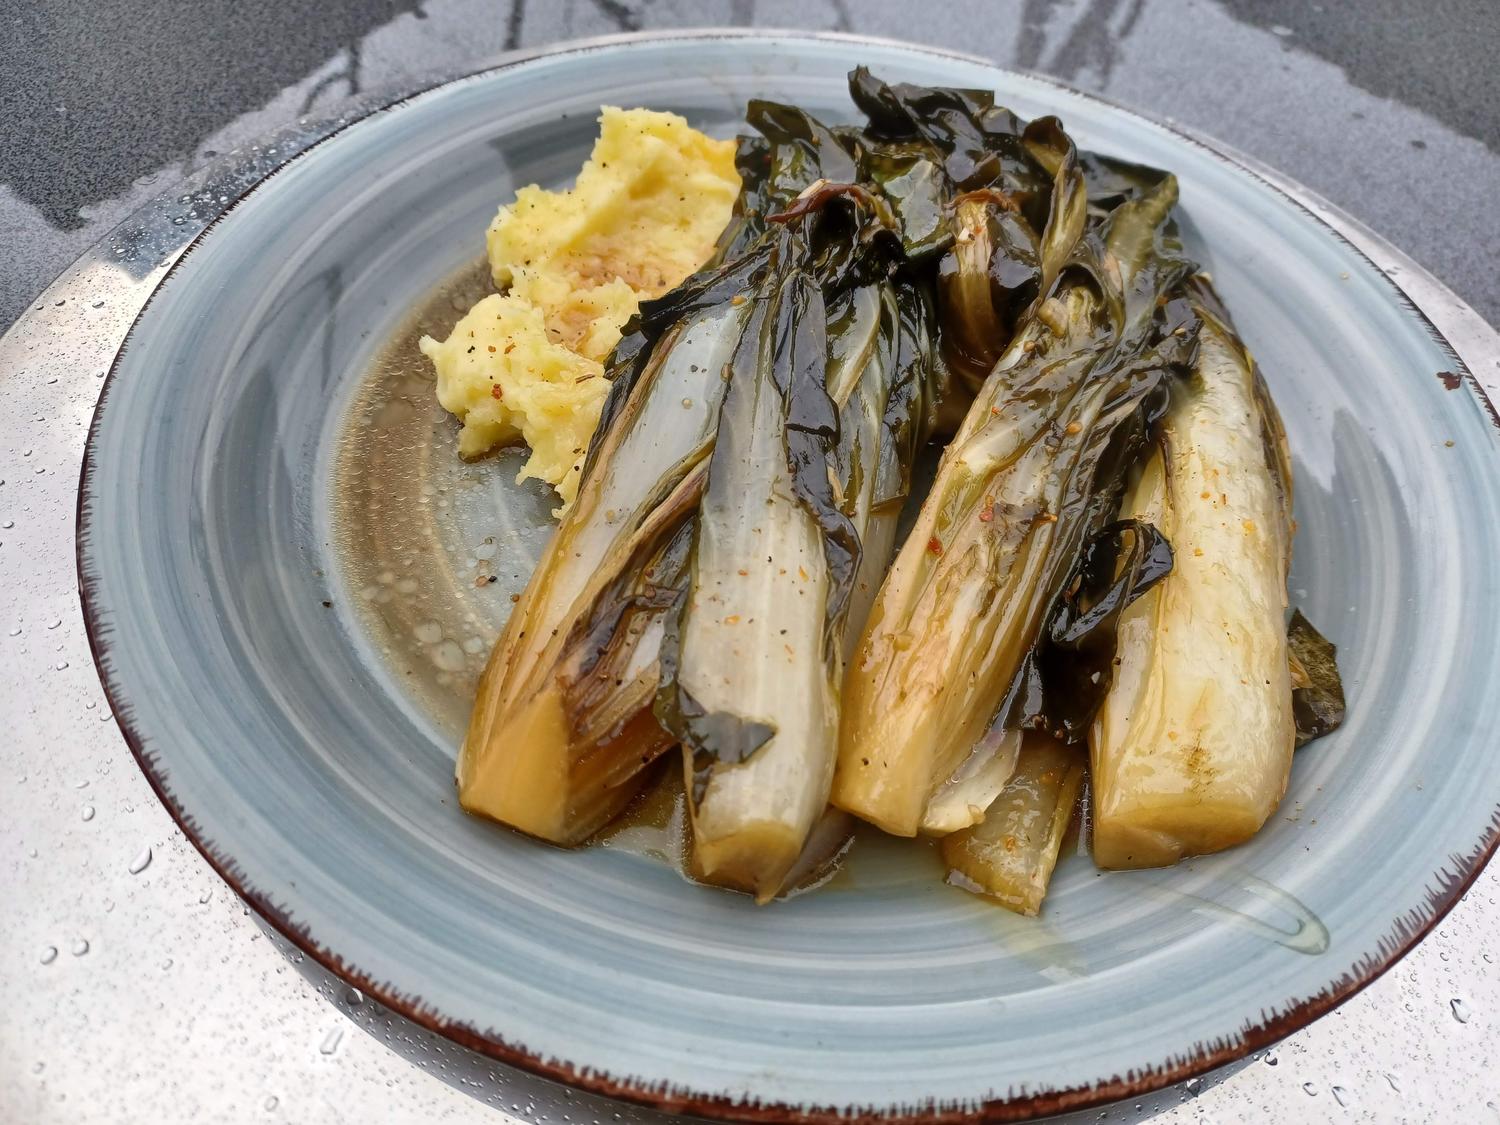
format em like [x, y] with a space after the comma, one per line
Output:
[572, 267]
[502, 375]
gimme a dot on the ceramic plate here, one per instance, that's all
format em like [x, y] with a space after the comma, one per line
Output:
[293, 702]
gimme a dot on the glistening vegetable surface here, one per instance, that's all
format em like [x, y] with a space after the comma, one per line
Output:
[273, 725]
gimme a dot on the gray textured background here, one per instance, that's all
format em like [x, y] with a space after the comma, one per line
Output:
[1391, 109]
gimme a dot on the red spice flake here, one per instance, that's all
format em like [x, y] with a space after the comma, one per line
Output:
[489, 347]
[802, 574]
[495, 391]
[732, 619]
[1072, 428]
[510, 347]
[935, 545]
[744, 573]
[987, 513]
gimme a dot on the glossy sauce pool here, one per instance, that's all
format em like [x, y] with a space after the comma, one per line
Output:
[429, 553]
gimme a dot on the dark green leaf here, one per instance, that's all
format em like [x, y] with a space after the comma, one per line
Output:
[1317, 689]
[1071, 671]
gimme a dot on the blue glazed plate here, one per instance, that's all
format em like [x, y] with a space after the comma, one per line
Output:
[286, 635]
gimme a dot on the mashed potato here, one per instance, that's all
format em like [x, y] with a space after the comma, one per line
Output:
[573, 266]
[501, 374]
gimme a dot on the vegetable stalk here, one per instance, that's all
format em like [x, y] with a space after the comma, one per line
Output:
[1030, 476]
[1192, 748]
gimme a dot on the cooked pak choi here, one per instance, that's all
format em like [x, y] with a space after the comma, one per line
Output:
[1031, 476]
[1094, 586]
[1192, 747]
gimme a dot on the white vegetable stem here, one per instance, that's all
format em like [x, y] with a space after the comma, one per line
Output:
[1193, 745]
[752, 646]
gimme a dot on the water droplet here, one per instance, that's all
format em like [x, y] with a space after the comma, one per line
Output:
[167, 964]
[1271, 1059]
[109, 906]
[16, 632]
[60, 665]
[49, 954]
[448, 656]
[205, 896]
[140, 862]
[80, 947]
[8, 524]
[1391, 1079]
[331, 1041]
[1309, 1089]
[1341, 1095]
[98, 304]
[84, 784]
[354, 997]
[88, 812]
[1193, 1086]
[54, 623]
[38, 1067]
[1460, 1010]
[272, 1102]
[428, 632]
[473, 646]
